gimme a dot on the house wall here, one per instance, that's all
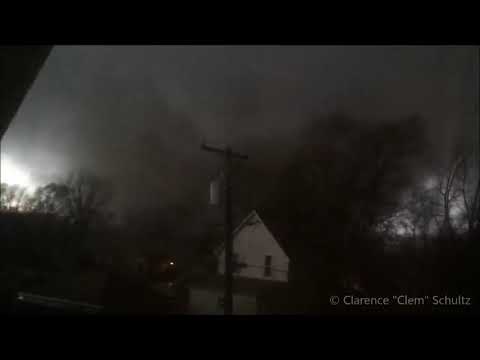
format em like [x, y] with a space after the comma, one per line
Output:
[206, 302]
[252, 243]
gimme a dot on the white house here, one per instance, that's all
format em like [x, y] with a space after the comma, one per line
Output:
[260, 265]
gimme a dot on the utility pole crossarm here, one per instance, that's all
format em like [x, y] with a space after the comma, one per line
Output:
[223, 151]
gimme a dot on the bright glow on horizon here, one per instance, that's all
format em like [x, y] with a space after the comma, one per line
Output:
[430, 183]
[12, 174]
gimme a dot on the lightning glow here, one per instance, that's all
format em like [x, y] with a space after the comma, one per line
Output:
[12, 174]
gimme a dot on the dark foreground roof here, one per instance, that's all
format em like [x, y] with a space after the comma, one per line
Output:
[56, 304]
[19, 66]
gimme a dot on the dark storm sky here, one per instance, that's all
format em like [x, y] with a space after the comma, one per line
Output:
[139, 114]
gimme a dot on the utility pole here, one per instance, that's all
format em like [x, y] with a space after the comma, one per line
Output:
[228, 155]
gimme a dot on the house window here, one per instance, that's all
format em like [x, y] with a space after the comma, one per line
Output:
[221, 302]
[268, 266]
[236, 263]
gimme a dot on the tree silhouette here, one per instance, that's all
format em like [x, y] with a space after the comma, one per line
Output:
[346, 178]
[13, 198]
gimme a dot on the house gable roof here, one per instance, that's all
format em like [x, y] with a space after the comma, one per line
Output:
[251, 219]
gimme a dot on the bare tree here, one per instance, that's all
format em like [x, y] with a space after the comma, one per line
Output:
[47, 200]
[84, 197]
[343, 183]
[424, 208]
[13, 198]
[469, 187]
[449, 191]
